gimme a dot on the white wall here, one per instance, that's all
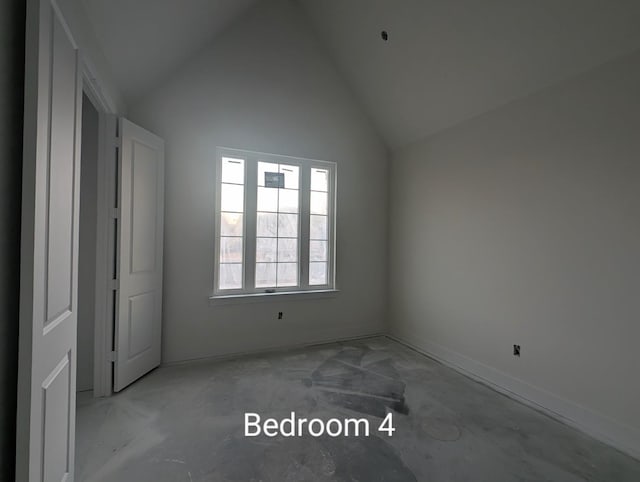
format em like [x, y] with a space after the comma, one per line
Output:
[87, 255]
[265, 85]
[12, 21]
[76, 17]
[523, 226]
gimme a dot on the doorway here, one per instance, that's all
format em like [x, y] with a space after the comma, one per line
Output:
[96, 241]
[87, 248]
[57, 77]
[120, 231]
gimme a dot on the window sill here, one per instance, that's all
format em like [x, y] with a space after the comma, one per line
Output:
[271, 297]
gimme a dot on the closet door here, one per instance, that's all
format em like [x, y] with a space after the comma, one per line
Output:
[49, 252]
[140, 226]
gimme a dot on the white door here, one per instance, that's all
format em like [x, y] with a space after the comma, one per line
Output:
[49, 251]
[140, 227]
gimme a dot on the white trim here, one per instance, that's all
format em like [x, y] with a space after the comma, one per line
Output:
[599, 426]
[251, 160]
[277, 296]
[105, 249]
[103, 333]
[92, 86]
[273, 349]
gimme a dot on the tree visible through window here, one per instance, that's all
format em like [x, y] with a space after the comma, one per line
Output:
[275, 223]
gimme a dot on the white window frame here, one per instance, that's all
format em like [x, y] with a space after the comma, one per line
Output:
[251, 159]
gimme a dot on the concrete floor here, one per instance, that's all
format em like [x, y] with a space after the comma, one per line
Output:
[186, 423]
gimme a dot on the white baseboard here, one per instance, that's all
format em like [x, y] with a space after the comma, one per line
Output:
[272, 349]
[624, 438]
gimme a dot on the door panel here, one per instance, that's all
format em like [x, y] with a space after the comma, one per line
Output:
[49, 255]
[144, 200]
[141, 311]
[59, 220]
[138, 325]
[56, 389]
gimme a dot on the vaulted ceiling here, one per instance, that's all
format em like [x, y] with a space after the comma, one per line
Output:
[445, 61]
[450, 60]
[145, 40]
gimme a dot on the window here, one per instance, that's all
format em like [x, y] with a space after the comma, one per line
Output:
[275, 229]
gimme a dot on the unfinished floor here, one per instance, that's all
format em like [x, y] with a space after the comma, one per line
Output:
[186, 423]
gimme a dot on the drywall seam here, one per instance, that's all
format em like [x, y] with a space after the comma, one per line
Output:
[273, 349]
[623, 438]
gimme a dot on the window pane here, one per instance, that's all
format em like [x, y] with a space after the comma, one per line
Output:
[265, 167]
[230, 250]
[287, 274]
[232, 198]
[231, 224]
[319, 180]
[318, 227]
[291, 176]
[267, 199]
[288, 201]
[230, 276]
[319, 203]
[265, 275]
[266, 250]
[317, 273]
[318, 250]
[278, 234]
[287, 250]
[267, 224]
[288, 225]
[232, 170]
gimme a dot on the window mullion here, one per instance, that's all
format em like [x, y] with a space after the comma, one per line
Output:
[332, 190]
[250, 225]
[305, 211]
[217, 217]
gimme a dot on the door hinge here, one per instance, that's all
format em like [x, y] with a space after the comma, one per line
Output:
[115, 213]
[115, 284]
[112, 356]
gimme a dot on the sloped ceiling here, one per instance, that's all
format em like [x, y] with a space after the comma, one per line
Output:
[145, 40]
[445, 60]
[450, 60]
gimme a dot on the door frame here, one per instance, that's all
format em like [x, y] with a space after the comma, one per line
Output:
[95, 87]
[105, 229]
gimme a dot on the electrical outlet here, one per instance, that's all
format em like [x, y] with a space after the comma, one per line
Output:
[516, 350]
[280, 315]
